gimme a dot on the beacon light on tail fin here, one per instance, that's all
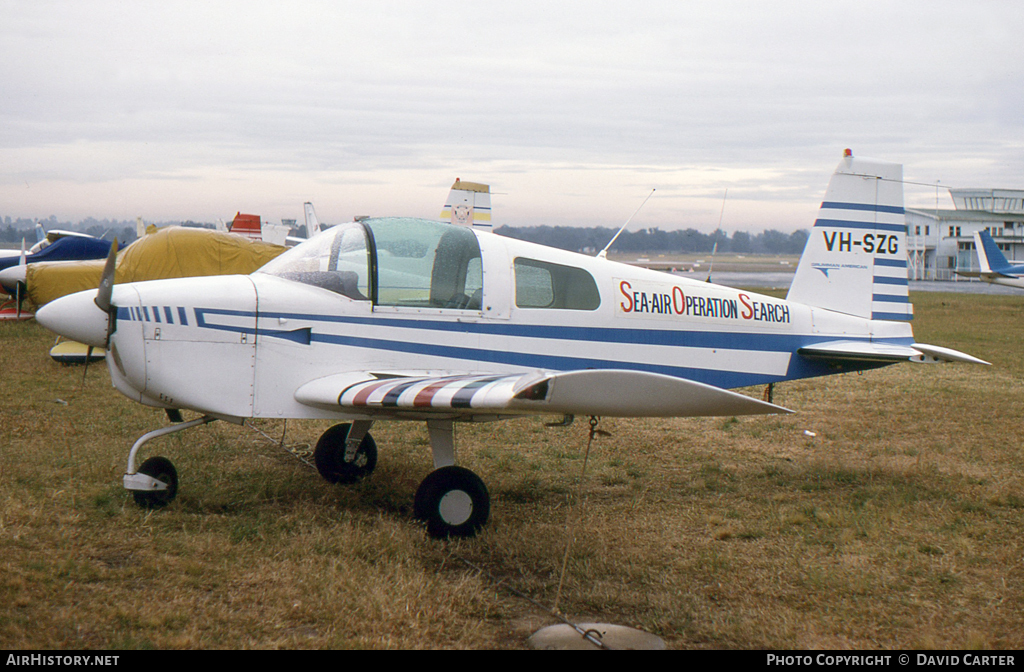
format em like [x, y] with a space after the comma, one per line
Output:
[413, 319]
[995, 269]
[468, 204]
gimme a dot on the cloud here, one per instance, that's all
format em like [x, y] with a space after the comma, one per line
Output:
[261, 101]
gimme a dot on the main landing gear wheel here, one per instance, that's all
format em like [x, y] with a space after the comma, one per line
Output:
[453, 502]
[329, 456]
[163, 470]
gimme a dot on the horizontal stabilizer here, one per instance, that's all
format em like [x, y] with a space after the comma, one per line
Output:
[940, 354]
[987, 277]
[859, 351]
[867, 351]
[604, 392]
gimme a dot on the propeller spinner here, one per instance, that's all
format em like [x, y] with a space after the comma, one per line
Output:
[84, 316]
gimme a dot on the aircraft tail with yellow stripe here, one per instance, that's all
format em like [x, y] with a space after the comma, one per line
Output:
[468, 204]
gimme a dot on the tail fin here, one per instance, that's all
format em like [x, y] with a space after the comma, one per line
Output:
[468, 204]
[40, 233]
[991, 259]
[312, 223]
[247, 225]
[855, 260]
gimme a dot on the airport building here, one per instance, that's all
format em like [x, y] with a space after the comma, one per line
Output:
[941, 241]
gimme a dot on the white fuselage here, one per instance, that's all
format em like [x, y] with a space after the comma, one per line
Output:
[239, 346]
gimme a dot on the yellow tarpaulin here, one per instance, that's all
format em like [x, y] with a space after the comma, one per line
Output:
[174, 252]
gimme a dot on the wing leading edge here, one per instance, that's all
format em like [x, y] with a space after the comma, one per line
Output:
[603, 392]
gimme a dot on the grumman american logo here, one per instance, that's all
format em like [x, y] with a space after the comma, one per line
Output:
[825, 268]
[673, 300]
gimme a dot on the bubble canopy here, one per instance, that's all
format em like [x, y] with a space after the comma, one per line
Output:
[392, 261]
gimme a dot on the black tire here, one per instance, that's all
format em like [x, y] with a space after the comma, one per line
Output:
[161, 469]
[329, 456]
[453, 502]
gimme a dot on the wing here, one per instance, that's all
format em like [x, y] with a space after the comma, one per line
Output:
[602, 392]
[867, 351]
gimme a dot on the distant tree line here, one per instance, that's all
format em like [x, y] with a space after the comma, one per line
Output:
[654, 240]
[14, 230]
[572, 238]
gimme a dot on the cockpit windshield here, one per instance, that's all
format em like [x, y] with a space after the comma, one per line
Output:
[393, 261]
[337, 259]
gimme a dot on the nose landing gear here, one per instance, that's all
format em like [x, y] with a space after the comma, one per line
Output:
[154, 485]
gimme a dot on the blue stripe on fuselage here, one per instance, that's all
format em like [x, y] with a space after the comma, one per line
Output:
[799, 367]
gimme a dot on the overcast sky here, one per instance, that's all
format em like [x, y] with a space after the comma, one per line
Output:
[571, 111]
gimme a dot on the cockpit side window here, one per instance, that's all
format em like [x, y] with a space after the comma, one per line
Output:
[427, 264]
[337, 260]
[542, 284]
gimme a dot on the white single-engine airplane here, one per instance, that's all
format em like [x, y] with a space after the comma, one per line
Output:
[415, 319]
[995, 269]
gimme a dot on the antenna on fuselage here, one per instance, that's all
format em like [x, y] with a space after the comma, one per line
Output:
[714, 249]
[603, 254]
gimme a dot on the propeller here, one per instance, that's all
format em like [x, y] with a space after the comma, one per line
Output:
[103, 301]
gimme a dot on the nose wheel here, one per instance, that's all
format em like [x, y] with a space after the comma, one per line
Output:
[154, 485]
[163, 478]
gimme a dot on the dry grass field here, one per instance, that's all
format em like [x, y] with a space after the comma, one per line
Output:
[897, 525]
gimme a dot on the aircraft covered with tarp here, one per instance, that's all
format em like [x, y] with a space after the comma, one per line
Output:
[69, 248]
[173, 252]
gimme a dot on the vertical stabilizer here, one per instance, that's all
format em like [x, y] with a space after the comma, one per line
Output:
[990, 257]
[468, 204]
[855, 260]
[247, 225]
[312, 223]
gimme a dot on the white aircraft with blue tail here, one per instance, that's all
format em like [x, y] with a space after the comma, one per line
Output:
[995, 268]
[414, 319]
